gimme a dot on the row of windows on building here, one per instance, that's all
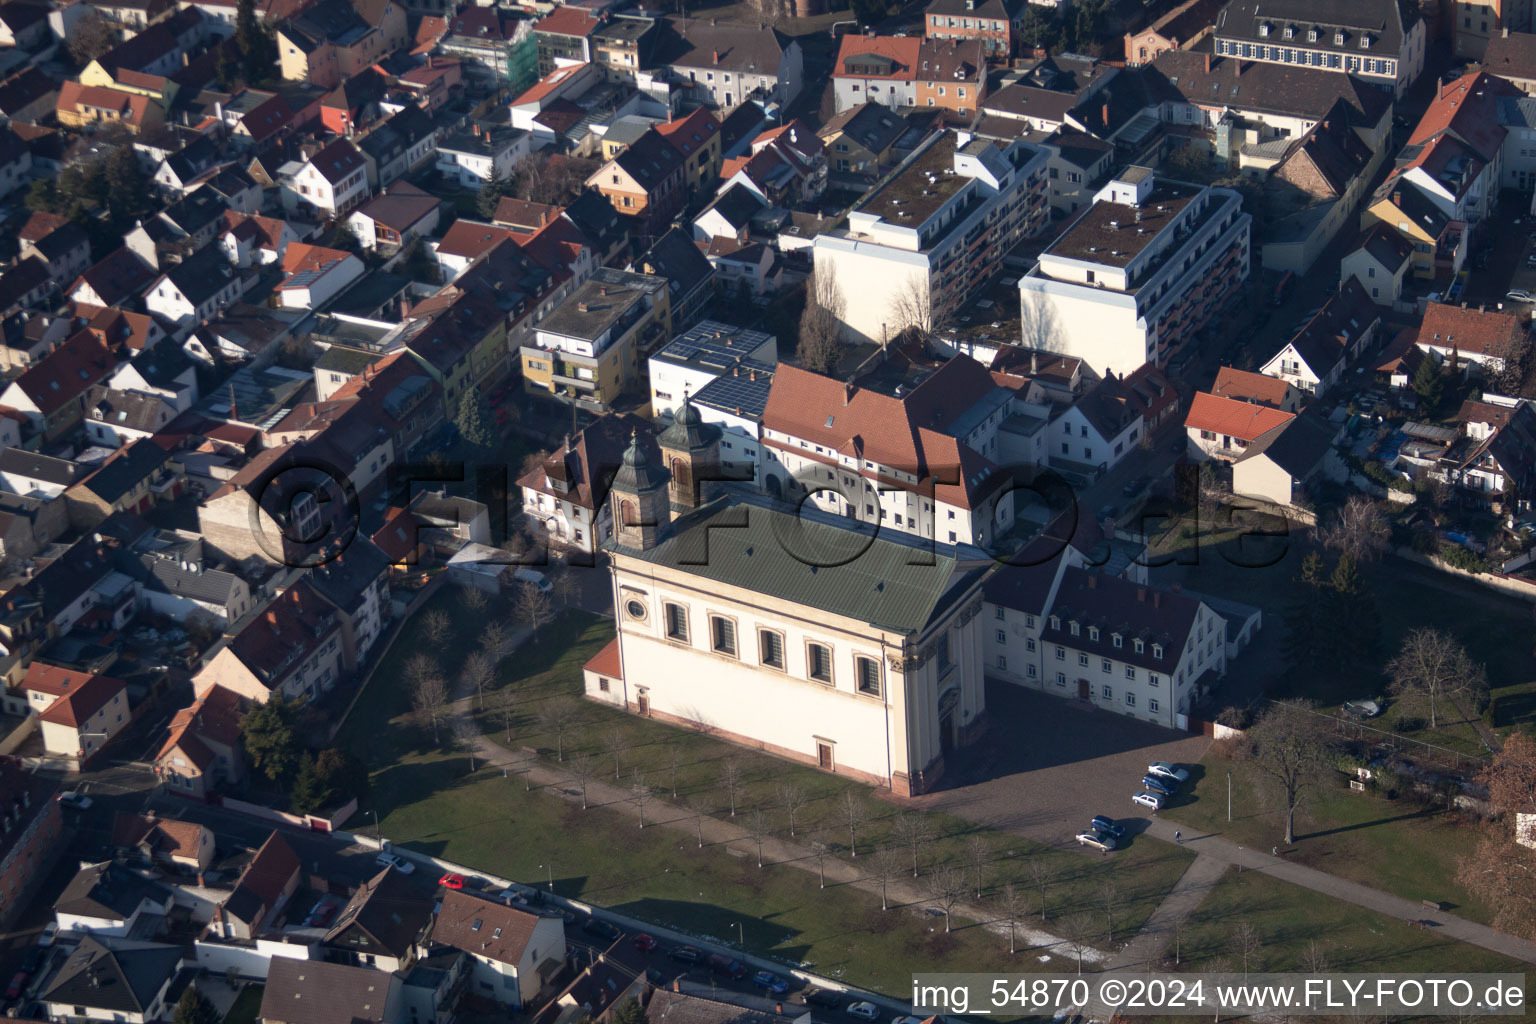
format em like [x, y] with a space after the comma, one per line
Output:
[723, 640]
[1106, 691]
[1311, 58]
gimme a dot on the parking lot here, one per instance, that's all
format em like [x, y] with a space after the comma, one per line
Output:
[1041, 780]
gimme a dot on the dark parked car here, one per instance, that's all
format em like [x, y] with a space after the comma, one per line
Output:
[1109, 826]
[726, 967]
[1136, 486]
[19, 982]
[686, 955]
[1158, 784]
[824, 997]
[34, 961]
[644, 943]
[770, 981]
[602, 929]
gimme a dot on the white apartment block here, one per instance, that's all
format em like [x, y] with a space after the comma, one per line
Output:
[1137, 274]
[727, 371]
[916, 246]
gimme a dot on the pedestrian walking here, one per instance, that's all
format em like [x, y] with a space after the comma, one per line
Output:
[1178, 837]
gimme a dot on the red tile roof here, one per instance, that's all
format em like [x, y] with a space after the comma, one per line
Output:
[270, 870]
[1247, 386]
[67, 372]
[76, 707]
[546, 85]
[130, 107]
[1475, 331]
[1469, 109]
[469, 239]
[1241, 420]
[606, 661]
[901, 51]
[568, 21]
[215, 714]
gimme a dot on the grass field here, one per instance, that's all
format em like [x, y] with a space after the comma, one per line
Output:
[428, 799]
[1393, 845]
[1288, 918]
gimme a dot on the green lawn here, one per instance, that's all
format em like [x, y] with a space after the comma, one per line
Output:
[427, 799]
[1393, 845]
[247, 1006]
[1288, 918]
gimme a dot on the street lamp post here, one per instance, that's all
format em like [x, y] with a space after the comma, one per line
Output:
[550, 874]
[1229, 797]
[741, 935]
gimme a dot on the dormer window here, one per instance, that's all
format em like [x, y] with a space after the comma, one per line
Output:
[1365, 42]
[1093, 633]
[1312, 35]
[1075, 629]
[1290, 31]
[1139, 646]
[1055, 622]
[1264, 30]
[1118, 640]
[1338, 38]
[1157, 651]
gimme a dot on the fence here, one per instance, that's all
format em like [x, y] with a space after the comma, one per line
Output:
[314, 822]
[1445, 756]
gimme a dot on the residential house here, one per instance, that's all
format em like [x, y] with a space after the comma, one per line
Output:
[1097, 431]
[52, 394]
[24, 25]
[354, 104]
[178, 581]
[403, 142]
[330, 41]
[314, 275]
[203, 748]
[28, 95]
[1481, 337]
[860, 139]
[494, 46]
[251, 240]
[590, 348]
[1475, 24]
[696, 137]
[1511, 55]
[332, 182]
[514, 953]
[110, 899]
[293, 649]
[689, 275]
[1380, 264]
[915, 246]
[1338, 334]
[90, 106]
[59, 243]
[34, 822]
[131, 479]
[25, 286]
[115, 280]
[191, 293]
[393, 220]
[1492, 461]
[264, 889]
[787, 166]
[1226, 427]
[904, 71]
[728, 62]
[355, 584]
[1380, 41]
[270, 504]
[78, 712]
[483, 153]
[382, 925]
[1138, 273]
[645, 181]
[182, 845]
[989, 22]
[113, 979]
[1439, 242]
[316, 992]
[1280, 466]
[729, 215]
[1247, 386]
[563, 37]
[1183, 27]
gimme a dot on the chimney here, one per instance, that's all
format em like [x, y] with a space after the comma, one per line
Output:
[717, 56]
[1207, 63]
[1397, 198]
[1505, 32]
[1106, 113]
[272, 619]
[582, 307]
[847, 393]
[1034, 361]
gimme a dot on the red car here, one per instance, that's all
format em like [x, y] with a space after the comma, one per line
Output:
[644, 943]
[14, 989]
[451, 881]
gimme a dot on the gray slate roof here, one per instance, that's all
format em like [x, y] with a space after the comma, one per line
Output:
[807, 559]
[114, 974]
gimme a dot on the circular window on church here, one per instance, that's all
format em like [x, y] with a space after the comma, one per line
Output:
[634, 609]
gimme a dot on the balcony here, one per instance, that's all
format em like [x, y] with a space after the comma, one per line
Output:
[575, 382]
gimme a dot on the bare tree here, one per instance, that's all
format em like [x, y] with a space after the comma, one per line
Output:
[976, 856]
[1433, 668]
[558, 716]
[1041, 875]
[1077, 931]
[699, 808]
[1358, 529]
[916, 307]
[758, 829]
[564, 585]
[1244, 944]
[886, 864]
[479, 671]
[1112, 901]
[89, 38]
[821, 325]
[792, 798]
[1509, 360]
[1315, 958]
[1290, 756]
[674, 761]
[430, 697]
[533, 608]
[582, 769]
[473, 599]
[1040, 329]
[820, 851]
[419, 667]
[1014, 903]
[496, 639]
[615, 740]
[853, 812]
[504, 703]
[466, 733]
[438, 627]
[945, 888]
[912, 831]
[640, 795]
[733, 777]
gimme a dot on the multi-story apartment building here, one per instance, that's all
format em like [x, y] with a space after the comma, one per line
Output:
[565, 35]
[726, 62]
[1137, 273]
[1381, 41]
[989, 22]
[32, 824]
[1477, 22]
[908, 447]
[904, 71]
[591, 348]
[939, 226]
[795, 635]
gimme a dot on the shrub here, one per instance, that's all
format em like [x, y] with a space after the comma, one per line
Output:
[1235, 717]
[1459, 557]
[1409, 723]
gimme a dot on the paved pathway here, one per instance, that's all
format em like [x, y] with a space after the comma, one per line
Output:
[1152, 942]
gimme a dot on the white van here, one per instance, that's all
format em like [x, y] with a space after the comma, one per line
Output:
[533, 576]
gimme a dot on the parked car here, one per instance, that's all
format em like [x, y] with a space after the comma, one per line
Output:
[863, 1010]
[1158, 784]
[726, 967]
[644, 943]
[50, 932]
[602, 929]
[1097, 840]
[72, 798]
[1519, 295]
[908, 1019]
[770, 982]
[1171, 772]
[1136, 486]
[1109, 826]
[824, 997]
[452, 880]
[17, 985]
[1153, 800]
[686, 954]
[394, 860]
[535, 577]
[1362, 708]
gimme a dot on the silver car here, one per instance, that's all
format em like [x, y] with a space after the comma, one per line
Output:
[1097, 840]
[1149, 799]
[1164, 770]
